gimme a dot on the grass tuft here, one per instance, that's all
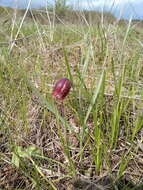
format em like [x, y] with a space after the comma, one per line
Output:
[97, 142]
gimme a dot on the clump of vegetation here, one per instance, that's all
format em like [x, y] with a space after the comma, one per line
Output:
[98, 143]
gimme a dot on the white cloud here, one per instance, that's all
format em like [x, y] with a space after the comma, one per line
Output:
[123, 8]
[102, 3]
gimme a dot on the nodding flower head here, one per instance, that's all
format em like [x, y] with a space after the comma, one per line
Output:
[62, 88]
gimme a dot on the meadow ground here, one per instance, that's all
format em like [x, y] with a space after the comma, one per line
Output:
[97, 143]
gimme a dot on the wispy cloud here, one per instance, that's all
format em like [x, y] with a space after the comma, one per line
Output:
[102, 3]
[123, 8]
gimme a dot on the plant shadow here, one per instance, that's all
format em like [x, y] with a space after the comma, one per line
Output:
[107, 183]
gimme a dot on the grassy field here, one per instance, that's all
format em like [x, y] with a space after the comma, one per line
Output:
[97, 143]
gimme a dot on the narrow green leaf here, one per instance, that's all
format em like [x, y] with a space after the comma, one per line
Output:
[95, 95]
[67, 64]
[15, 160]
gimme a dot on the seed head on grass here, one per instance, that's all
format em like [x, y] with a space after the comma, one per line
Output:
[61, 88]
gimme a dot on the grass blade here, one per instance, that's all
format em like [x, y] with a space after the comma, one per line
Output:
[95, 95]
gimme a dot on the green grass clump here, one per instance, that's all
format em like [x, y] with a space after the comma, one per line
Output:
[98, 142]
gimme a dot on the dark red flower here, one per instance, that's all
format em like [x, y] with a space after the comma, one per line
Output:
[62, 88]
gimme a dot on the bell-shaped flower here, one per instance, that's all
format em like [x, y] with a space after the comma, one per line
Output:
[62, 88]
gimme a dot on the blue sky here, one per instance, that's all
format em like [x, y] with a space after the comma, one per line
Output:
[123, 8]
